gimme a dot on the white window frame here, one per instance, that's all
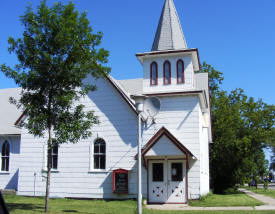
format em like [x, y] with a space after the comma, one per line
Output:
[46, 158]
[4, 141]
[91, 150]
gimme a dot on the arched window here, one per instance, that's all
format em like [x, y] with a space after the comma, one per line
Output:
[154, 74]
[54, 159]
[5, 156]
[166, 73]
[99, 154]
[180, 71]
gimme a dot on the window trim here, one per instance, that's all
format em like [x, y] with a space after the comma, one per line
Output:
[169, 81]
[178, 78]
[45, 169]
[5, 171]
[54, 169]
[91, 168]
[151, 72]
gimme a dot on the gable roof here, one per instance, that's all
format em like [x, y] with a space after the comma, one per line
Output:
[163, 131]
[9, 113]
[124, 94]
[124, 87]
[169, 35]
[132, 86]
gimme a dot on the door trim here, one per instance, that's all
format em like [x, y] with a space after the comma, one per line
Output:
[186, 179]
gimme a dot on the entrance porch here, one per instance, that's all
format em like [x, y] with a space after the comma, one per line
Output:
[166, 161]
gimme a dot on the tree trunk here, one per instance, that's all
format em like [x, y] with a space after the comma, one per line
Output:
[48, 171]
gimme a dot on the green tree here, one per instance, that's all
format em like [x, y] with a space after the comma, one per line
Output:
[57, 51]
[242, 127]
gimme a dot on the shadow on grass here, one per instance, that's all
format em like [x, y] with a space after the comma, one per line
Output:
[17, 206]
[75, 211]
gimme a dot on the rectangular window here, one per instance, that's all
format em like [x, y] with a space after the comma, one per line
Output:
[5, 156]
[54, 159]
[99, 154]
[154, 73]
[166, 73]
[180, 71]
[5, 163]
[157, 172]
[176, 173]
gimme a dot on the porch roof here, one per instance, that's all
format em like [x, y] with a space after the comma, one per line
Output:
[155, 139]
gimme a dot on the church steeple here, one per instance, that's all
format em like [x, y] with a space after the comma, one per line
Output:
[169, 35]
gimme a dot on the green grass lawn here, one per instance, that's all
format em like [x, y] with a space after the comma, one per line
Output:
[226, 200]
[268, 192]
[23, 205]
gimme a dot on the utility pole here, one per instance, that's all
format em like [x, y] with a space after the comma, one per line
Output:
[139, 166]
[139, 99]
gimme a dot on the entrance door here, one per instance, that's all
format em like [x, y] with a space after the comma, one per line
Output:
[166, 181]
[176, 181]
[157, 181]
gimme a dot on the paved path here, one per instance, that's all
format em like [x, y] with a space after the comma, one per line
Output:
[269, 204]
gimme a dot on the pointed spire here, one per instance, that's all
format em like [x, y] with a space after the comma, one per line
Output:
[169, 35]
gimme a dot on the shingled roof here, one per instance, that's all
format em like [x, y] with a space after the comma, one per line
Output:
[169, 35]
[8, 112]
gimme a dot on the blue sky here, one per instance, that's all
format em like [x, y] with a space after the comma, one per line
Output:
[236, 37]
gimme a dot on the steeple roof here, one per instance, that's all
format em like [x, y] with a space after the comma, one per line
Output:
[169, 35]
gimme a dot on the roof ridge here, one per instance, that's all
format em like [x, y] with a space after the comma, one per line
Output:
[169, 34]
[171, 24]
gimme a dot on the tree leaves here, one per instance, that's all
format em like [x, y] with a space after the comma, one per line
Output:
[242, 127]
[57, 51]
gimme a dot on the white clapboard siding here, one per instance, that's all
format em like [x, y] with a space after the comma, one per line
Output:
[9, 180]
[188, 73]
[180, 115]
[118, 127]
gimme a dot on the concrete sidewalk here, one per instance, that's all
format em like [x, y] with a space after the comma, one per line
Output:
[269, 204]
[265, 199]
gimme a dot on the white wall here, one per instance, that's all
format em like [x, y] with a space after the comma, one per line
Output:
[204, 155]
[188, 74]
[180, 115]
[9, 180]
[164, 147]
[118, 127]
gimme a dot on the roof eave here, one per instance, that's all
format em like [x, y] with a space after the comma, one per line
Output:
[193, 51]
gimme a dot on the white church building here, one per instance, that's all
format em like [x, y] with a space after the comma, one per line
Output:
[175, 143]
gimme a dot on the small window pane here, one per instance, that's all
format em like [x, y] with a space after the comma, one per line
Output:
[54, 162]
[6, 149]
[167, 74]
[5, 164]
[176, 172]
[96, 148]
[157, 172]
[5, 156]
[102, 162]
[102, 148]
[180, 72]
[55, 150]
[96, 161]
[154, 73]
